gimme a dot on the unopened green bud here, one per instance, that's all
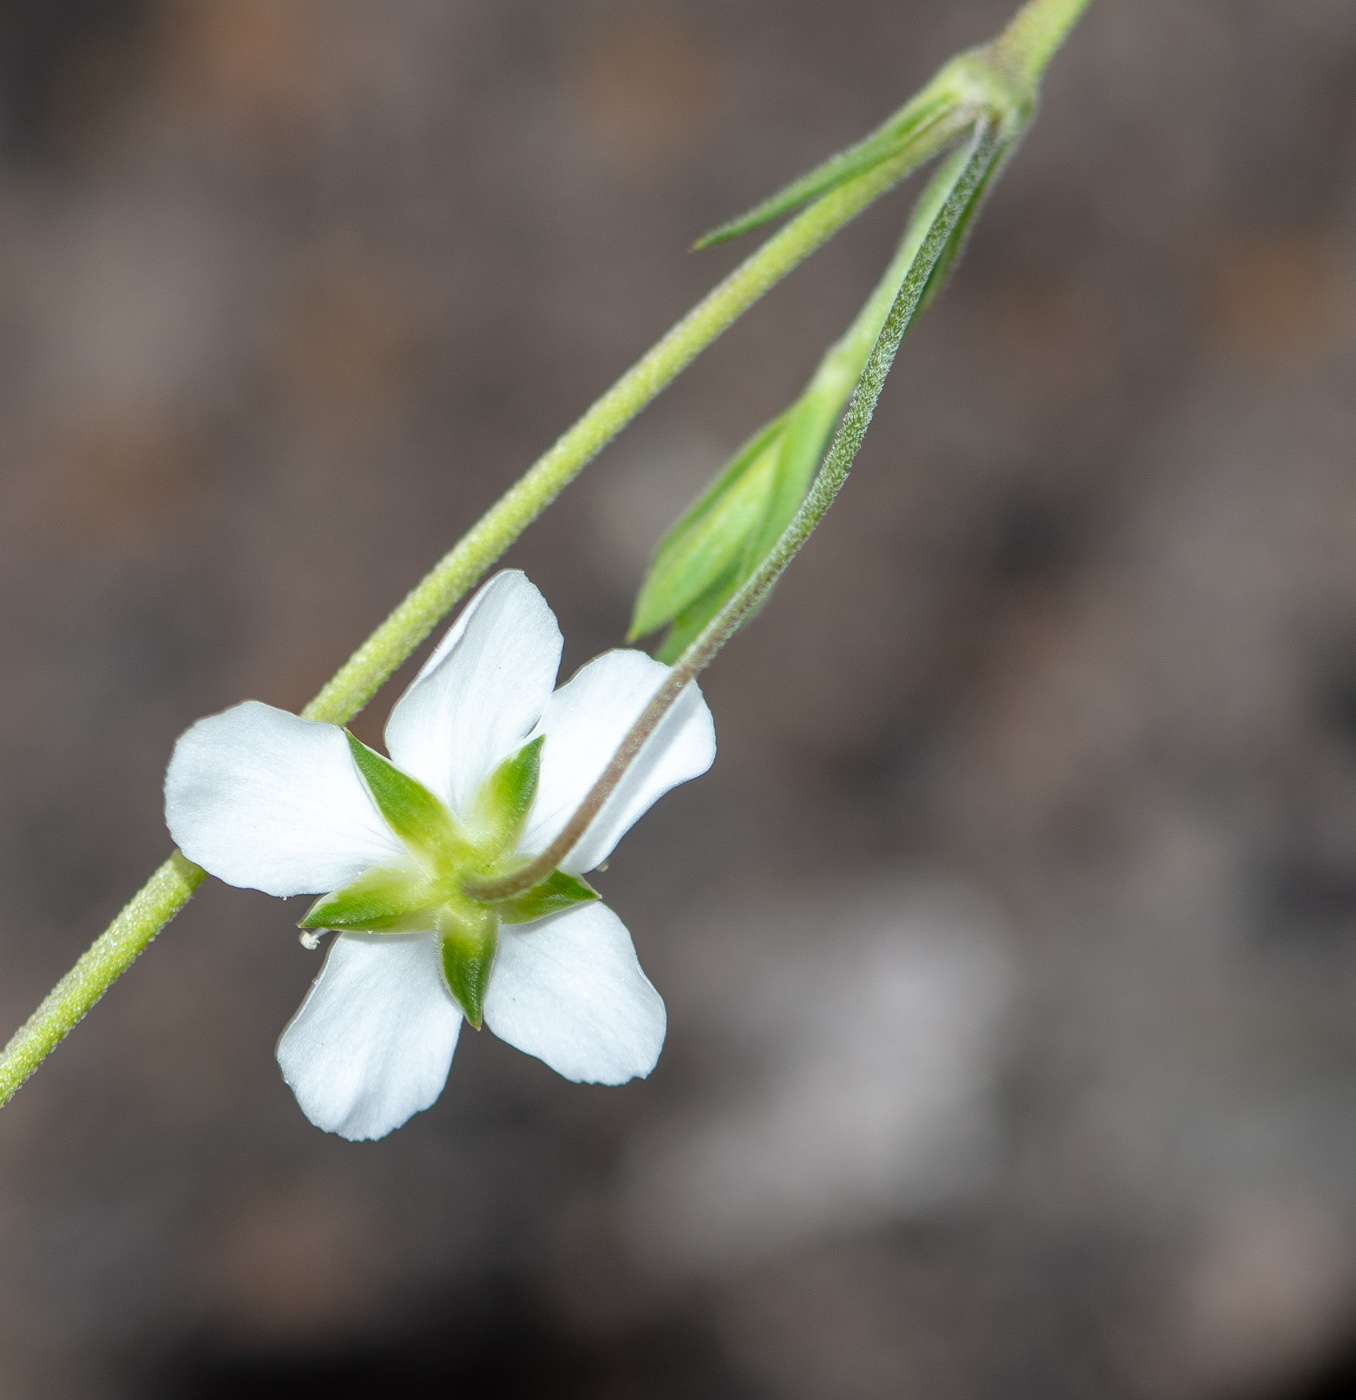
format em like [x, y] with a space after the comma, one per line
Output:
[724, 537]
[708, 541]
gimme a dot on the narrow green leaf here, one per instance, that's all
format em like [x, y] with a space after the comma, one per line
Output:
[559, 891]
[410, 809]
[502, 804]
[712, 533]
[468, 946]
[918, 130]
[388, 900]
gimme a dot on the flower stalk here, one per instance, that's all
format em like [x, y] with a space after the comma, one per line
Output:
[989, 92]
[455, 574]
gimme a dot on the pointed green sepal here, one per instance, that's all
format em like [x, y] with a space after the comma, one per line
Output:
[503, 802]
[558, 891]
[469, 940]
[388, 900]
[410, 809]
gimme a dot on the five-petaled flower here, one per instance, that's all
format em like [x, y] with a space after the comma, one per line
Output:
[487, 765]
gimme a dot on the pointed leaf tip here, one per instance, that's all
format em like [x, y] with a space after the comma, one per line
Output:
[409, 808]
[390, 900]
[503, 803]
[468, 949]
[914, 134]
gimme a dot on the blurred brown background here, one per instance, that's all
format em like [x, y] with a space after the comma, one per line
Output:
[1009, 948]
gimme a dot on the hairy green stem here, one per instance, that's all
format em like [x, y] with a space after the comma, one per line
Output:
[364, 673]
[1023, 50]
[1035, 34]
[984, 154]
[111, 954]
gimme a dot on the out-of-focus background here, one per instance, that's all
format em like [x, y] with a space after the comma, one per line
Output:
[1010, 946]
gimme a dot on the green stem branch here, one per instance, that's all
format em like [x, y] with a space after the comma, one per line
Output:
[364, 673]
[1023, 50]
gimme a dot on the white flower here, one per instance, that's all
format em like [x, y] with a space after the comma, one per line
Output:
[264, 799]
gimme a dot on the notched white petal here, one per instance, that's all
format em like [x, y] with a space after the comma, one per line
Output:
[373, 1041]
[584, 722]
[264, 799]
[481, 691]
[570, 990]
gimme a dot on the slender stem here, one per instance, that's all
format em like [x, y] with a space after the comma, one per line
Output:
[154, 905]
[363, 674]
[970, 182]
[1036, 32]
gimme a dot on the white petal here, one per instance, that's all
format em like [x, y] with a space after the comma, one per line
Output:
[481, 691]
[373, 1041]
[264, 799]
[570, 991]
[585, 721]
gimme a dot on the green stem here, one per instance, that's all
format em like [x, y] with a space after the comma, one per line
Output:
[1035, 34]
[364, 673]
[1024, 49]
[985, 151]
[111, 954]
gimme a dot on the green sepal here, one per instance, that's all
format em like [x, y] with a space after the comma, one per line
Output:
[505, 799]
[469, 940]
[418, 817]
[809, 427]
[387, 900]
[558, 891]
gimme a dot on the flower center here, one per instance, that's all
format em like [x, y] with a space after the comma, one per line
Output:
[425, 891]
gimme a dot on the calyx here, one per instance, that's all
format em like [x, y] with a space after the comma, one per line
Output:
[424, 892]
